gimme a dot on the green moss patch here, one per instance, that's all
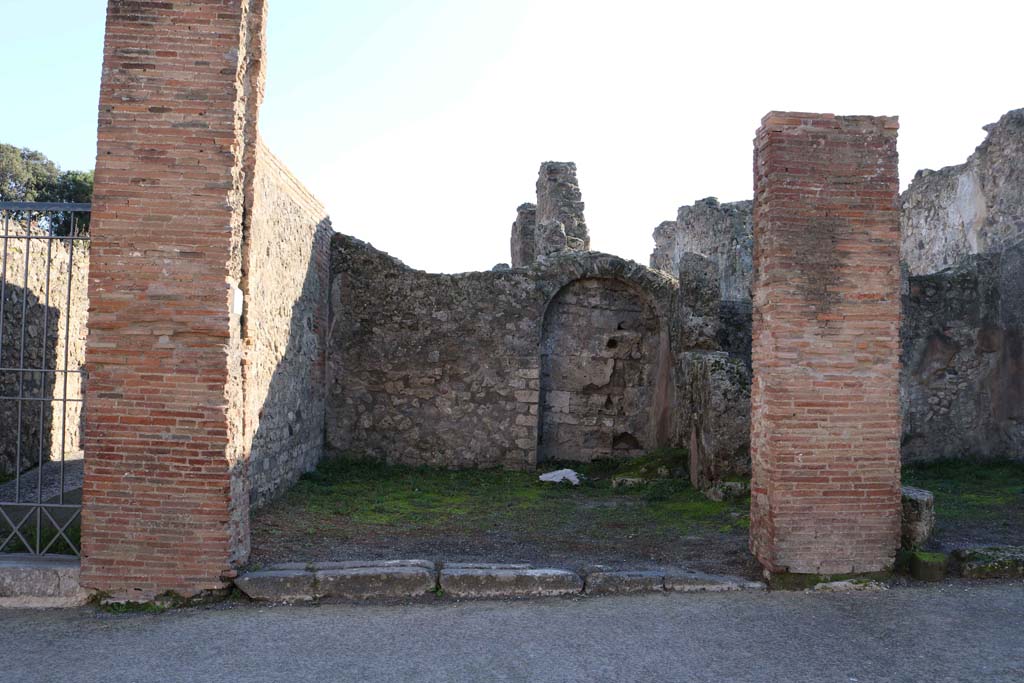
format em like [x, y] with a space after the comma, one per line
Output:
[348, 499]
[992, 563]
[968, 490]
[789, 581]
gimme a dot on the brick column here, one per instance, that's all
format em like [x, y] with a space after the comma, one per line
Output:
[825, 423]
[165, 498]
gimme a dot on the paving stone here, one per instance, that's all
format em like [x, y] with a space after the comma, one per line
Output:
[380, 582]
[997, 562]
[484, 565]
[601, 581]
[507, 581]
[356, 564]
[685, 581]
[278, 585]
[850, 585]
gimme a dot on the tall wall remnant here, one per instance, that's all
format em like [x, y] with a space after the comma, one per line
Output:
[974, 208]
[720, 232]
[555, 224]
[524, 237]
[825, 421]
[963, 356]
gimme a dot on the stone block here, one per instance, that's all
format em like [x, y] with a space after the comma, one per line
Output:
[507, 581]
[358, 564]
[600, 581]
[278, 585]
[997, 562]
[379, 582]
[928, 566]
[918, 518]
[686, 581]
[33, 581]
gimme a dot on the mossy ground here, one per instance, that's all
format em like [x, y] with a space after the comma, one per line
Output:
[355, 509]
[349, 508]
[976, 502]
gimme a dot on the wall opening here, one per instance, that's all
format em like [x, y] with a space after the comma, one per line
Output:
[603, 373]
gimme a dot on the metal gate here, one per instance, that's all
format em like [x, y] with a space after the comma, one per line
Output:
[43, 309]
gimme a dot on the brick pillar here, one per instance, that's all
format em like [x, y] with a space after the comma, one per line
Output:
[165, 498]
[825, 423]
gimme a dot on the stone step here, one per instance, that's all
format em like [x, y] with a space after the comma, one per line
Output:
[40, 581]
[406, 579]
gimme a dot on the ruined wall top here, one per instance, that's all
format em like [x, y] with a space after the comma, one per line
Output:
[974, 208]
[720, 232]
[559, 199]
[555, 223]
[524, 239]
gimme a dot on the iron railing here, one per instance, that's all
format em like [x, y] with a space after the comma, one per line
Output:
[43, 260]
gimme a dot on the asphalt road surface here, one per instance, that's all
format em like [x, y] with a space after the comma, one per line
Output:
[951, 632]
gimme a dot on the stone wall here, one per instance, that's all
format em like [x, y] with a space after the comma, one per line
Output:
[963, 365]
[605, 371]
[446, 369]
[946, 217]
[52, 307]
[720, 232]
[974, 208]
[825, 413]
[715, 397]
[524, 239]
[559, 200]
[555, 223]
[285, 326]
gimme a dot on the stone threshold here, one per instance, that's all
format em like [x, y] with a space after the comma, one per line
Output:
[35, 581]
[409, 579]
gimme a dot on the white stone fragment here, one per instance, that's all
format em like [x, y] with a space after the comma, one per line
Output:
[559, 476]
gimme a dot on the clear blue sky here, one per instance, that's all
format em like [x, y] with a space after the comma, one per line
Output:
[421, 124]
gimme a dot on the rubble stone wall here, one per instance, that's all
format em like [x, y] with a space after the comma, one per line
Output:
[53, 308]
[974, 208]
[720, 232]
[963, 363]
[948, 218]
[285, 327]
[605, 367]
[446, 369]
[524, 239]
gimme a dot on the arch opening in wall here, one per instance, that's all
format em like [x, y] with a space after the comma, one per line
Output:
[605, 373]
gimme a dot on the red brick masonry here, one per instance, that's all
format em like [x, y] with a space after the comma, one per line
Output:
[825, 398]
[165, 505]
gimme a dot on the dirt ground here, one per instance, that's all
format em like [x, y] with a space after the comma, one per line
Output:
[350, 510]
[976, 503]
[353, 510]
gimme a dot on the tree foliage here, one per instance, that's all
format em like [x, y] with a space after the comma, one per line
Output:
[29, 176]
